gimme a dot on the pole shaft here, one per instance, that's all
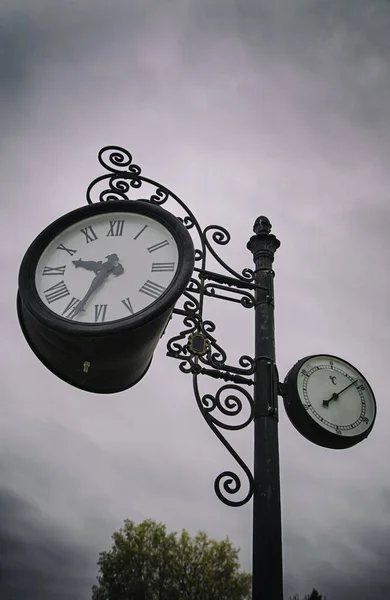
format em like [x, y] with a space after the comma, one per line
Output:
[267, 568]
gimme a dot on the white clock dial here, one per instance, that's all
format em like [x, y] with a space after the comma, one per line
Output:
[106, 267]
[336, 395]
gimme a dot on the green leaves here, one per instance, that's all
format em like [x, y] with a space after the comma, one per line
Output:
[146, 563]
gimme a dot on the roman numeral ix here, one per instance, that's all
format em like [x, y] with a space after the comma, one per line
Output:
[54, 270]
[152, 289]
[116, 228]
[56, 292]
[89, 233]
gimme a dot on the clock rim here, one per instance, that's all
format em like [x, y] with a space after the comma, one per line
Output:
[186, 259]
[304, 422]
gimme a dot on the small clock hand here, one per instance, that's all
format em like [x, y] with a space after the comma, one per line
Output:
[335, 396]
[102, 272]
[90, 265]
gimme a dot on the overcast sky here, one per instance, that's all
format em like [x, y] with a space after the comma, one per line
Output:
[241, 108]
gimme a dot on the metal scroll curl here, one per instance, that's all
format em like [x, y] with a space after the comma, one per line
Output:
[227, 483]
[246, 299]
[221, 236]
[124, 181]
[213, 361]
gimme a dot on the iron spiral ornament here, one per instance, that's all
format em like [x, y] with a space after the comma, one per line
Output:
[196, 346]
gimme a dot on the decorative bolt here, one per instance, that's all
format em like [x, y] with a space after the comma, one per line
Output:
[198, 343]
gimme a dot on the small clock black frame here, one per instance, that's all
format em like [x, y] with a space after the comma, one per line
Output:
[117, 353]
[303, 422]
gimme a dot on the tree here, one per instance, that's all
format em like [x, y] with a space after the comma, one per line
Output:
[146, 563]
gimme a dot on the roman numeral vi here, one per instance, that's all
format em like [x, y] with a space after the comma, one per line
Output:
[100, 312]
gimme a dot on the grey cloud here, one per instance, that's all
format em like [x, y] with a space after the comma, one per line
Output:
[37, 559]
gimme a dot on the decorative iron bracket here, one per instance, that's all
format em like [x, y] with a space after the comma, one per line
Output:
[195, 346]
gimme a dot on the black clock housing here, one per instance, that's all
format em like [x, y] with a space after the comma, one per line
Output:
[105, 357]
[302, 420]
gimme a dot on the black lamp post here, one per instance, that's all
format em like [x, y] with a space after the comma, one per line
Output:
[267, 529]
[200, 354]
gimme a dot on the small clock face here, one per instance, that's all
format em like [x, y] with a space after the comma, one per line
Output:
[106, 267]
[336, 396]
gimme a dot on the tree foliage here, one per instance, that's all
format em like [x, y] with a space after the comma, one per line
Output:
[146, 563]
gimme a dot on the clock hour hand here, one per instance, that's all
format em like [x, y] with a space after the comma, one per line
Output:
[335, 396]
[90, 265]
[102, 271]
[112, 264]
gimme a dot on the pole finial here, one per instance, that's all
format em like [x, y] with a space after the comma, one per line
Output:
[262, 225]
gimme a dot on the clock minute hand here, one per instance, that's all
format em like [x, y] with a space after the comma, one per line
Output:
[96, 283]
[335, 396]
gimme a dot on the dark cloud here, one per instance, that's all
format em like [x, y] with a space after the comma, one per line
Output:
[355, 570]
[37, 36]
[37, 558]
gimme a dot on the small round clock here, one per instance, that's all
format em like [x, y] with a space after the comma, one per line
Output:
[329, 401]
[97, 288]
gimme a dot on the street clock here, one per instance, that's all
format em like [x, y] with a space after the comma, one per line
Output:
[97, 288]
[329, 401]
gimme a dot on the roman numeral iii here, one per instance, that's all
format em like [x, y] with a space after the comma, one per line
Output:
[54, 270]
[152, 289]
[163, 266]
[90, 235]
[116, 228]
[56, 292]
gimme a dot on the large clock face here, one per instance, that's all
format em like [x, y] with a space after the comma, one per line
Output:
[106, 267]
[336, 396]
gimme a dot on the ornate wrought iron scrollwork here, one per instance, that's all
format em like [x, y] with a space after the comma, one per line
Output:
[231, 405]
[195, 346]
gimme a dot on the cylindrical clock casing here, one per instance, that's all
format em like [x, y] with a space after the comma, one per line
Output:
[107, 364]
[304, 423]
[106, 357]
